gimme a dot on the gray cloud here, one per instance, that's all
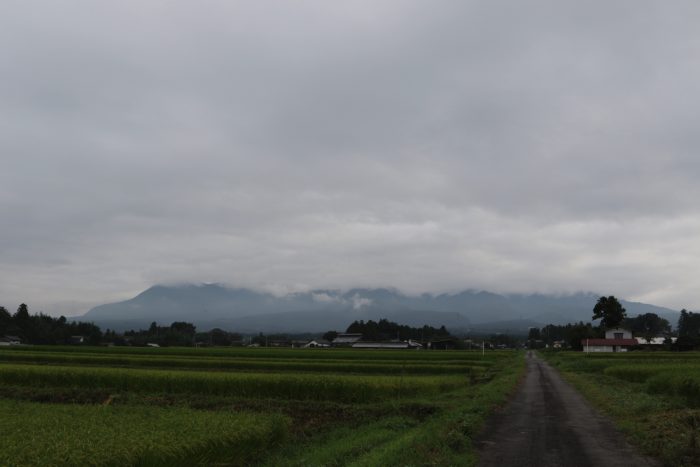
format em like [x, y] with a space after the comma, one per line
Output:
[513, 146]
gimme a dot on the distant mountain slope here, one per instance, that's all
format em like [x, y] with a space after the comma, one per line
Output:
[213, 305]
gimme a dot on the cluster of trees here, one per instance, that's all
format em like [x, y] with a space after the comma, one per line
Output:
[570, 334]
[44, 329]
[647, 325]
[609, 311]
[178, 333]
[384, 330]
[611, 315]
[689, 329]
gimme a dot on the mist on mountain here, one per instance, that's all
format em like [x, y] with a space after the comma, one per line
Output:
[246, 310]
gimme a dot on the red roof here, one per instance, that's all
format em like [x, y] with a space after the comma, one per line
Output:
[608, 341]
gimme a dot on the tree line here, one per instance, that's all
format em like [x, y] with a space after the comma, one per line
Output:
[44, 329]
[178, 333]
[384, 330]
[612, 315]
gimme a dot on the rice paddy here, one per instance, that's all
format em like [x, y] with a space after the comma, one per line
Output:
[243, 406]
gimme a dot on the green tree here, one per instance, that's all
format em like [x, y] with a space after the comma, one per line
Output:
[688, 329]
[5, 320]
[22, 314]
[219, 337]
[609, 311]
[330, 335]
[23, 323]
[578, 332]
[648, 325]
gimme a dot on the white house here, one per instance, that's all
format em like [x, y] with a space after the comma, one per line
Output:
[618, 333]
[616, 340]
[10, 340]
[317, 343]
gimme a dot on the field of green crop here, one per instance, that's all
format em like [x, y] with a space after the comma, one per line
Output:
[653, 396]
[241, 406]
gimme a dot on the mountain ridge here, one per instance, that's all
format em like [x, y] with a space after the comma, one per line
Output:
[247, 310]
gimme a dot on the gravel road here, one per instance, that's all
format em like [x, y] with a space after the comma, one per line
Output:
[548, 423]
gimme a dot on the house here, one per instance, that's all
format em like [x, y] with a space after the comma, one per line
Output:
[346, 339]
[317, 343]
[616, 340]
[10, 340]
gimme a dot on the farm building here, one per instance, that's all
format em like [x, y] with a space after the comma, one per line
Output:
[346, 339]
[656, 341]
[387, 345]
[317, 343]
[616, 340]
[10, 340]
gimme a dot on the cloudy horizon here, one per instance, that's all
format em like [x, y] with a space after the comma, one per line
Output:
[543, 146]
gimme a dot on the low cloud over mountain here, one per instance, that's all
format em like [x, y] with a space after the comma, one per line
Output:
[246, 310]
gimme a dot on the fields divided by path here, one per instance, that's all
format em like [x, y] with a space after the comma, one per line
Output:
[262, 406]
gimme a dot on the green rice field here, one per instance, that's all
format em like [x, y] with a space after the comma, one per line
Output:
[246, 406]
[654, 397]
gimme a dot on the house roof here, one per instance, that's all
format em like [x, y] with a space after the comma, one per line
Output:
[319, 341]
[347, 338]
[609, 342]
[380, 345]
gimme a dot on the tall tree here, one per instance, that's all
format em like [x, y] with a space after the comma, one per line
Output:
[609, 311]
[689, 324]
[5, 320]
[22, 313]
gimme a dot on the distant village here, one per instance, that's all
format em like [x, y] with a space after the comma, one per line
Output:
[647, 332]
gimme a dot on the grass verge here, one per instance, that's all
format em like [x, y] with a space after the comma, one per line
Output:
[662, 426]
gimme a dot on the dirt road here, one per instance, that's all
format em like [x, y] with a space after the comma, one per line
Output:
[548, 423]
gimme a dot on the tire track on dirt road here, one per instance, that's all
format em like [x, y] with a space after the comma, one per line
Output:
[548, 423]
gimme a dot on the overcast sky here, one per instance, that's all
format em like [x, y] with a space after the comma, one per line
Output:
[512, 146]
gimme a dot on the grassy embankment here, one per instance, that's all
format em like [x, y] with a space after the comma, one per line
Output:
[654, 397]
[126, 406]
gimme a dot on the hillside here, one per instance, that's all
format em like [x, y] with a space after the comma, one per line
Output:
[246, 310]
